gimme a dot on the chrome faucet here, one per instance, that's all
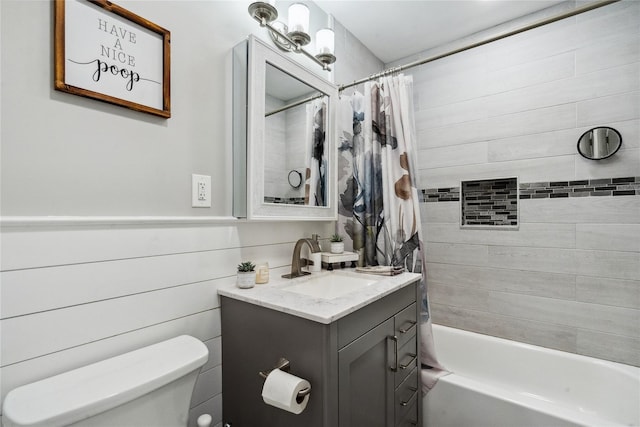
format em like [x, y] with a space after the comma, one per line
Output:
[296, 267]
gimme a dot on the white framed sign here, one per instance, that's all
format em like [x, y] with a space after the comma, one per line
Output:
[105, 52]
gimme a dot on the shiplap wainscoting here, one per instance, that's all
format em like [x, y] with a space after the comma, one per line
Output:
[74, 295]
[569, 278]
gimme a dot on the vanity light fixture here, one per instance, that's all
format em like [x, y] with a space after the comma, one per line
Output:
[293, 37]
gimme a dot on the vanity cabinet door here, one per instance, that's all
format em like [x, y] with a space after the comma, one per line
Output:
[366, 382]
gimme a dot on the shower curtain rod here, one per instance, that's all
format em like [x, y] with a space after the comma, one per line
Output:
[398, 69]
[294, 104]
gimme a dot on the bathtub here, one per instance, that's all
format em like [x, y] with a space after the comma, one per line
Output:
[497, 382]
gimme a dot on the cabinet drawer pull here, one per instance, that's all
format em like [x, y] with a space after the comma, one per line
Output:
[410, 362]
[408, 401]
[406, 326]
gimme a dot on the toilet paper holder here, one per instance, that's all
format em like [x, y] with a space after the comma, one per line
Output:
[284, 365]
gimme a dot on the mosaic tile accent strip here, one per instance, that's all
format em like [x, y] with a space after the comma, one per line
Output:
[629, 186]
[284, 200]
[440, 194]
[490, 202]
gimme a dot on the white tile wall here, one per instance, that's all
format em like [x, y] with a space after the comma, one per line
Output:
[275, 135]
[624, 163]
[108, 290]
[456, 253]
[616, 292]
[610, 237]
[296, 152]
[596, 112]
[618, 50]
[530, 234]
[579, 210]
[519, 123]
[569, 277]
[560, 143]
[552, 285]
[545, 334]
[527, 170]
[542, 42]
[544, 70]
[614, 320]
[455, 155]
[607, 82]
[608, 346]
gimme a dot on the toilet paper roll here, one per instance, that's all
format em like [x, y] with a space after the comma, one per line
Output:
[281, 390]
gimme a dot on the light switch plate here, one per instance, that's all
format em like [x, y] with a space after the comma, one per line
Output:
[200, 191]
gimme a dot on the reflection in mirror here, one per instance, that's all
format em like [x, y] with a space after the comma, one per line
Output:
[295, 179]
[599, 143]
[295, 129]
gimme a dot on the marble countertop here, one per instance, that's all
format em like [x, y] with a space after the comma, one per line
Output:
[275, 295]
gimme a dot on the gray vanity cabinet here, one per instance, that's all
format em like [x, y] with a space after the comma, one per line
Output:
[362, 368]
[364, 378]
[377, 372]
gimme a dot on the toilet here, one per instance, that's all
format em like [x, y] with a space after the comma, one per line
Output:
[151, 386]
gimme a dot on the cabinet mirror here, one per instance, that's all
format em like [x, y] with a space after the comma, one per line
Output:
[288, 132]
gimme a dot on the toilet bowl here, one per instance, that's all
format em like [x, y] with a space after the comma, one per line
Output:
[151, 386]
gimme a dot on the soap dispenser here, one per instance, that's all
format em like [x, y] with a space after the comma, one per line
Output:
[315, 258]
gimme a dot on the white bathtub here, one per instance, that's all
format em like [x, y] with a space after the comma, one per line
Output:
[497, 382]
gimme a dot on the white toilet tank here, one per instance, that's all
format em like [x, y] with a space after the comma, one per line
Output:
[151, 386]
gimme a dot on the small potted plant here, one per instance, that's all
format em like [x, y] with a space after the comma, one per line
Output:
[246, 277]
[337, 245]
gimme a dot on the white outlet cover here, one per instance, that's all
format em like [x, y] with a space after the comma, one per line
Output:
[197, 182]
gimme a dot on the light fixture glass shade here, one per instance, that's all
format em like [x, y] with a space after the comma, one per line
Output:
[325, 41]
[299, 18]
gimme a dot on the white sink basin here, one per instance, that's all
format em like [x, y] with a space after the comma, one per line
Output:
[331, 285]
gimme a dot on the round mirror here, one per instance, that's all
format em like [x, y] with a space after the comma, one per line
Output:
[295, 179]
[599, 143]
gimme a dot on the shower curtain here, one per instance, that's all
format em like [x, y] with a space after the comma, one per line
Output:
[315, 177]
[378, 205]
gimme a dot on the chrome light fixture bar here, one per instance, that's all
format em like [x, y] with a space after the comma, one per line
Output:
[296, 35]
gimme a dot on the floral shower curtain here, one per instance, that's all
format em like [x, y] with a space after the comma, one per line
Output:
[378, 199]
[315, 177]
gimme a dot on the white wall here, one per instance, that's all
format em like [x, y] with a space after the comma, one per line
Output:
[86, 274]
[569, 278]
[75, 156]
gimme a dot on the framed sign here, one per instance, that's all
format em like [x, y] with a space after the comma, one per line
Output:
[105, 52]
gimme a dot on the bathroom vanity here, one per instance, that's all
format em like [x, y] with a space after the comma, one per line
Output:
[352, 336]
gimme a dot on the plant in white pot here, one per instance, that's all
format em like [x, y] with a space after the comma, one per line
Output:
[246, 277]
[337, 245]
